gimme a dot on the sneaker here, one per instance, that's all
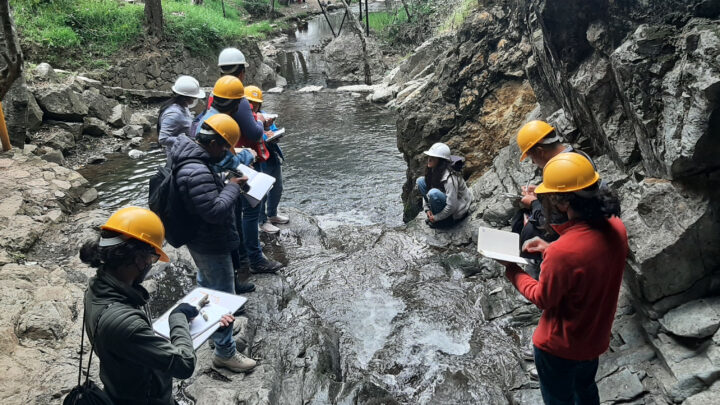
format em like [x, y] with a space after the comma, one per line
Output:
[279, 219]
[267, 227]
[266, 266]
[242, 288]
[238, 363]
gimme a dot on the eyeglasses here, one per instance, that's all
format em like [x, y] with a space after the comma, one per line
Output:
[154, 257]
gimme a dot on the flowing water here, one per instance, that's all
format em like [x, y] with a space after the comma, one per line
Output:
[341, 160]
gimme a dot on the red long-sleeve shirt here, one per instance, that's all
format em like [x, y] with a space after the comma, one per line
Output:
[578, 289]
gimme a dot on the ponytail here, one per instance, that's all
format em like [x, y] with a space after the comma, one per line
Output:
[112, 257]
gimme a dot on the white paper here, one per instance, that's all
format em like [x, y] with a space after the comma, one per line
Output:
[269, 116]
[219, 304]
[276, 135]
[500, 245]
[259, 183]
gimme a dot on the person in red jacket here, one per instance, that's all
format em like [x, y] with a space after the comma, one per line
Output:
[579, 280]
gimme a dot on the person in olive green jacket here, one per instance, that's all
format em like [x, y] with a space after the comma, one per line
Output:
[136, 365]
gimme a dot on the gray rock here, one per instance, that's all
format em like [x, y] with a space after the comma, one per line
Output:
[100, 106]
[89, 196]
[621, 386]
[61, 139]
[709, 397]
[425, 55]
[275, 90]
[54, 156]
[698, 319]
[20, 113]
[136, 154]
[691, 367]
[120, 116]
[75, 128]
[44, 71]
[34, 113]
[141, 119]
[310, 89]
[61, 102]
[344, 60]
[96, 159]
[383, 94]
[133, 131]
[29, 149]
[135, 141]
[44, 321]
[96, 127]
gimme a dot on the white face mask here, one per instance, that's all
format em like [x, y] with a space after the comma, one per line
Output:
[193, 104]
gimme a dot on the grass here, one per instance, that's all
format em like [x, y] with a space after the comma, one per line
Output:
[69, 33]
[458, 16]
[380, 21]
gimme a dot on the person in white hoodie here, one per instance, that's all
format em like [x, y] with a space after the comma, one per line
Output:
[446, 196]
[174, 117]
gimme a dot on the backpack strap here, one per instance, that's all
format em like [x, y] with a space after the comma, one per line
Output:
[92, 346]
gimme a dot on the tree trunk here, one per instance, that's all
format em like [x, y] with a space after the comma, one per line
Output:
[358, 30]
[153, 18]
[10, 50]
[197, 2]
[407, 10]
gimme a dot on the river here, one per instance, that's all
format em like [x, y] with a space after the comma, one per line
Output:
[341, 164]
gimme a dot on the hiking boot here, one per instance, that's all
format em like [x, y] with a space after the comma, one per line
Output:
[532, 372]
[238, 363]
[242, 288]
[267, 227]
[279, 219]
[266, 266]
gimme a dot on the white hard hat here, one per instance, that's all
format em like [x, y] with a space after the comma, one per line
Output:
[231, 57]
[439, 150]
[188, 86]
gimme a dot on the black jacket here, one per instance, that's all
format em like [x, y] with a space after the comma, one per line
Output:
[208, 197]
[136, 365]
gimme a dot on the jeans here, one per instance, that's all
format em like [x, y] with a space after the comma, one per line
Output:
[272, 167]
[566, 382]
[436, 198]
[215, 271]
[246, 218]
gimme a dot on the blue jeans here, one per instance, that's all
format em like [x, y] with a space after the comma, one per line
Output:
[436, 198]
[273, 167]
[566, 382]
[247, 223]
[215, 271]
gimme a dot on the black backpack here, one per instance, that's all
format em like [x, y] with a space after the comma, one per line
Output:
[165, 200]
[457, 163]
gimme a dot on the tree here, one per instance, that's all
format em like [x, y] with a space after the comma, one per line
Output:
[9, 50]
[358, 30]
[197, 2]
[153, 18]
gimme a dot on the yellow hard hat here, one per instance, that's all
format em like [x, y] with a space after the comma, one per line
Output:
[229, 87]
[141, 224]
[253, 93]
[567, 172]
[530, 134]
[226, 127]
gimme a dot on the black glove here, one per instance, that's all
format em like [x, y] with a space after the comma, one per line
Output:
[190, 311]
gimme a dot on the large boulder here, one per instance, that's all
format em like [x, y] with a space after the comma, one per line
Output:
[120, 116]
[695, 319]
[18, 106]
[96, 127]
[345, 60]
[62, 102]
[99, 106]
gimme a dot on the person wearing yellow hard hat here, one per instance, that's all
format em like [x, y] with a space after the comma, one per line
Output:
[136, 365]
[580, 279]
[272, 166]
[213, 198]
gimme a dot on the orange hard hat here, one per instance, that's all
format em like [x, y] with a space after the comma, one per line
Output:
[141, 224]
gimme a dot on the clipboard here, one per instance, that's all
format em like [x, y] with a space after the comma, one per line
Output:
[500, 245]
[220, 303]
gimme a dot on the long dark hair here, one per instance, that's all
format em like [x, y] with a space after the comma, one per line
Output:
[182, 101]
[112, 257]
[434, 175]
[593, 205]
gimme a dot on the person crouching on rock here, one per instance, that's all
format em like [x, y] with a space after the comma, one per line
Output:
[175, 118]
[579, 281]
[136, 365]
[446, 197]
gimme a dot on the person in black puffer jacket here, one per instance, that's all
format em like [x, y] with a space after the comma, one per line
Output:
[213, 202]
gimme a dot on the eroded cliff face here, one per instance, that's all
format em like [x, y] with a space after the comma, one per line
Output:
[635, 84]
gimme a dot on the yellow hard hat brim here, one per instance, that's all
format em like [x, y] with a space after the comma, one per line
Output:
[253, 99]
[523, 156]
[542, 189]
[163, 256]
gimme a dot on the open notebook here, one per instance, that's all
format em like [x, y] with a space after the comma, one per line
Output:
[259, 184]
[219, 304]
[500, 245]
[276, 135]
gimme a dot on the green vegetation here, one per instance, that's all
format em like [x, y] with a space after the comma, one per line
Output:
[381, 21]
[68, 33]
[458, 16]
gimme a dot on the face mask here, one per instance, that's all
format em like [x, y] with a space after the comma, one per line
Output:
[193, 104]
[143, 273]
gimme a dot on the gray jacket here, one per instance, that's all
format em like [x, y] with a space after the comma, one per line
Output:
[458, 197]
[174, 121]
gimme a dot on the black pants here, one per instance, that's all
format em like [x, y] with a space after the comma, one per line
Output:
[566, 382]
